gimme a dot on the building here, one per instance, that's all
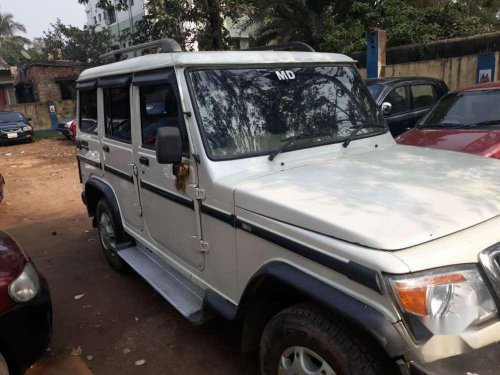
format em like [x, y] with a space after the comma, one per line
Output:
[7, 93]
[120, 23]
[49, 81]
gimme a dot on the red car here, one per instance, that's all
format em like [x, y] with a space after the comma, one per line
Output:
[25, 309]
[466, 120]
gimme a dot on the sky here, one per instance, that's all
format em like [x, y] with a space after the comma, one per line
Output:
[37, 15]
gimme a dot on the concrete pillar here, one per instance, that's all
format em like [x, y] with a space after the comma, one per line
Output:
[376, 43]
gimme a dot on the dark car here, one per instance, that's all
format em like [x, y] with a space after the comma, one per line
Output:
[64, 127]
[466, 120]
[14, 127]
[25, 309]
[405, 100]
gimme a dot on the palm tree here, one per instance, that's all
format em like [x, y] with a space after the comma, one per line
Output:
[9, 27]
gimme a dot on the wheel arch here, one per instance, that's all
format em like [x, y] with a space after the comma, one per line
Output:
[94, 191]
[299, 286]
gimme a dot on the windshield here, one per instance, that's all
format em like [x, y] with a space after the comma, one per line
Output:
[252, 111]
[375, 89]
[11, 117]
[470, 109]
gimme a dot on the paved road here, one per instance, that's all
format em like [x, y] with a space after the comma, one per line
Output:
[120, 319]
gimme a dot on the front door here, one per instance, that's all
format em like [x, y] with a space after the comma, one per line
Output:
[119, 165]
[166, 191]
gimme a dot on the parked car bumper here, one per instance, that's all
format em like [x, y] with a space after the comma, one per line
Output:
[21, 137]
[26, 330]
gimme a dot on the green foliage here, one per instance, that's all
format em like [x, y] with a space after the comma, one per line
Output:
[64, 42]
[12, 48]
[9, 27]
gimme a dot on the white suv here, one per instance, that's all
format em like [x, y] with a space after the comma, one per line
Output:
[264, 186]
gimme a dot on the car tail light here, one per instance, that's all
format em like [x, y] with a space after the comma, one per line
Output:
[72, 129]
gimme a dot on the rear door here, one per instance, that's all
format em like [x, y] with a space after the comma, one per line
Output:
[119, 166]
[167, 191]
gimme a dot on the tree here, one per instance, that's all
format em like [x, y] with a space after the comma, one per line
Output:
[65, 42]
[9, 27]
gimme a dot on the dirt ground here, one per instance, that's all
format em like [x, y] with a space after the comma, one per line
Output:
[119, 319]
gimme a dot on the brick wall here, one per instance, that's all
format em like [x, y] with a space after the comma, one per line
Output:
[44, 79]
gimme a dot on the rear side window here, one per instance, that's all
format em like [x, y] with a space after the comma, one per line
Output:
[88, 111]
[117, 113]
[159, 108]
[423, 96]
[398, 100]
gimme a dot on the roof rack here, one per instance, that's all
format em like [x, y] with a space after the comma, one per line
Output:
[164, 45]
[290, 46]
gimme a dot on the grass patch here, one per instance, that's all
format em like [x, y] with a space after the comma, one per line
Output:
[46, 134]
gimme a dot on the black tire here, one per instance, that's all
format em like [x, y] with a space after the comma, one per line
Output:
[346, 351]
[104, 216]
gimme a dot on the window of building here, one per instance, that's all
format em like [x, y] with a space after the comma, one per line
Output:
[88, 111]
[159, 108]
[95, 20]
[100, 17]
[68, 89]
[111, 15]
[117, 113]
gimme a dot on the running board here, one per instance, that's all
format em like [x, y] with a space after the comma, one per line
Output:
[179, 291]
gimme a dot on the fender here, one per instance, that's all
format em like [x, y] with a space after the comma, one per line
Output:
[106, 190]
[370, 320]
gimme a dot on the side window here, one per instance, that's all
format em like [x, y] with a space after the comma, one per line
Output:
[423, 96]
[88, 111]
[117, 113]
[398, 99]
[159, 108]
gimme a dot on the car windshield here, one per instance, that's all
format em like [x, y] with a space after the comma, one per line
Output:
[471, 109]
[252, 111]
[11, 117]
[374, 89]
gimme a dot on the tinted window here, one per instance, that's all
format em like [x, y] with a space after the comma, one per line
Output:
[252, 111]
[468, 109]
[423, 96]
[375, 89]
[398, 100]
[88, 112]
[117, 113]
[159, 108]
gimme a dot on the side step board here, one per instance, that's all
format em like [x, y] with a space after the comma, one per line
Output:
[179, 291]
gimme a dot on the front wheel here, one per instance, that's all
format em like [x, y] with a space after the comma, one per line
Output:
[307, 340]
[110, 236]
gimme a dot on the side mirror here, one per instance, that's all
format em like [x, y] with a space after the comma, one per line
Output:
[28, 119]
[386, 109]
[168, 145]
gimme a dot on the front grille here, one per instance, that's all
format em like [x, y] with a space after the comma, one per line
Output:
[490, 261]
[11, 130]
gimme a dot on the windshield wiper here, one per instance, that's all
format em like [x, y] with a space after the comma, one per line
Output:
[290, 140]
[489, 122]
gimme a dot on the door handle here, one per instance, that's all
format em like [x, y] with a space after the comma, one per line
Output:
[144, 161]
[105, 148]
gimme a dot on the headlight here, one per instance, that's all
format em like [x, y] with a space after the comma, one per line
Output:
[25, 287]
[27, 128]
[67, 125]
[447, 302]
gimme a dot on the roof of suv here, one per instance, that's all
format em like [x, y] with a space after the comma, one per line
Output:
[225, 58]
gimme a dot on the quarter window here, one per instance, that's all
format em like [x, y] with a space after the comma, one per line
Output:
[423, 96]
[117, 113]
[88, 111]
[398, 100]
[159, 108]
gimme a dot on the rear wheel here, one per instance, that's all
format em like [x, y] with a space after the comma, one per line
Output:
[307, 340]
[110, 235]
[4, 369]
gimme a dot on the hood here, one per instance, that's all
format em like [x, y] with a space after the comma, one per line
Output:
[479, 142]
[12, 124]
[388, 199]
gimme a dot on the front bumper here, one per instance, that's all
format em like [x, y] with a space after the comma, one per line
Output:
[484, 361]
[26, 330]
[21, 137]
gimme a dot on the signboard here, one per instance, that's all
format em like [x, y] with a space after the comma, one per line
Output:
[485, 67]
